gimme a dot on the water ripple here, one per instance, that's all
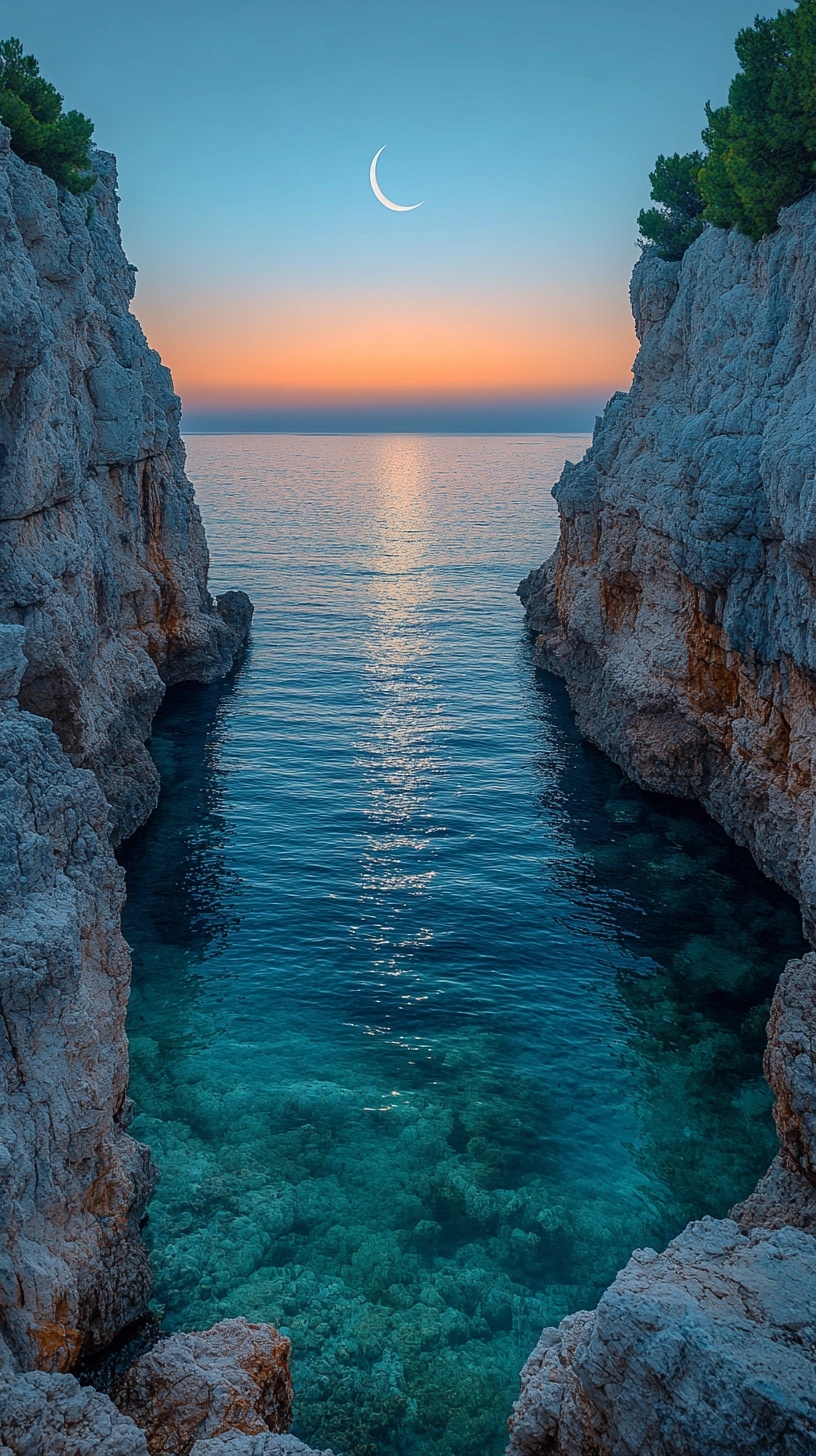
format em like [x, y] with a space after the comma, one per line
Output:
[434, 1017]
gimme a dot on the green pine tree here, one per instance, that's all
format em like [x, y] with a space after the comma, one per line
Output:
[677, 220]
[42, 133]
[762, 144]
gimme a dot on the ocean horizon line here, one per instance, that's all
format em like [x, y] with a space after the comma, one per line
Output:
[469, 434]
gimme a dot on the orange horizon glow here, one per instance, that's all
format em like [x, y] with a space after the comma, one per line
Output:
[237, 352]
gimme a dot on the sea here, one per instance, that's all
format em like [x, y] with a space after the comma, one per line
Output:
[435, 1017]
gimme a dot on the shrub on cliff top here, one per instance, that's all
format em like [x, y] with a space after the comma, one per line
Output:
[761, 145]
[677, 220]
[42, 133]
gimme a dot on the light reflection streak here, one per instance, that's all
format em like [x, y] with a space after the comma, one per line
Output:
[400, 754]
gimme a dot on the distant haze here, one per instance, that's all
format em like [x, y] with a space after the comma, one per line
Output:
[275, 285]
[463, 416]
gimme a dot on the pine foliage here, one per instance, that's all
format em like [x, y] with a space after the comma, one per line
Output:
[677, 220]
[42, 133]
[760, 146]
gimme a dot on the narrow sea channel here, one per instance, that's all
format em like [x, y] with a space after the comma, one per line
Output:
[434, 1016]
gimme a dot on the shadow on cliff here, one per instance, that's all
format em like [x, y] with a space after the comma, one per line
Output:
[703, 938]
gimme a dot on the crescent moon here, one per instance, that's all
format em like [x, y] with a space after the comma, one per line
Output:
[378, 192]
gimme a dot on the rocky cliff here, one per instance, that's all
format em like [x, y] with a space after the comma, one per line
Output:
[103, 558]
[680, 609]
[680, 605]
[72, 1267]
[103, 602]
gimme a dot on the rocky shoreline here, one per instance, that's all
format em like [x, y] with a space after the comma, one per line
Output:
[103, 604]
[680, 609]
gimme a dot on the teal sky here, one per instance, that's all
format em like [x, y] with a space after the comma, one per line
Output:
[272, 280]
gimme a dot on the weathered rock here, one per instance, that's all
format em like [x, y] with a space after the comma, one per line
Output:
[103, 600]
[191, 1386]
[74, 1184]
[102, 552]
[783, 1197]
[787, 1193]
[234, 1443]
[53, 1415]
[680, 609]
[708, 1347]
[790, 1065]
[680, 605]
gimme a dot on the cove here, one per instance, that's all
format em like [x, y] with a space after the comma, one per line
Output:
[435, 1017]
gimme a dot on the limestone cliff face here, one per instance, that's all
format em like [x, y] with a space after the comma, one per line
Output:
[103, 558]
[680, 605]
[680, 608]
[103, 601]
[72, 1183]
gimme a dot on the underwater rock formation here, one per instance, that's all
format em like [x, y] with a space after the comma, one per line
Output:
[103, 601]
[680, 609]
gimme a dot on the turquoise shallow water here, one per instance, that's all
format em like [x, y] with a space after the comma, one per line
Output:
[434, 1017]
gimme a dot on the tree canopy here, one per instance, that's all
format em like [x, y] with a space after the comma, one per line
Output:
[678, 218]
[760, 146]
[42, 133]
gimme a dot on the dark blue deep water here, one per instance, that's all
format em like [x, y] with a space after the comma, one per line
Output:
[435, 1017]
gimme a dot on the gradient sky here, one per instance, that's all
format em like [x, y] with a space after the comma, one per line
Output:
[275, 285]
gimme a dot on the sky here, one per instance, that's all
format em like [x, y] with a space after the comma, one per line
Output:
[282, 294]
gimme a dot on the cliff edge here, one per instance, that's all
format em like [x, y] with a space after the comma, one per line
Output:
[103, 558]
[680, 609]
[103, 602]
[680, 604]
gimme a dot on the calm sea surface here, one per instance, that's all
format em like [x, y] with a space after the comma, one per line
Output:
[435, 1017]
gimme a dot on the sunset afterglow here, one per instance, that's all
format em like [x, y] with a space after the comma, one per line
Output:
[356, 347]
[277, 286]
